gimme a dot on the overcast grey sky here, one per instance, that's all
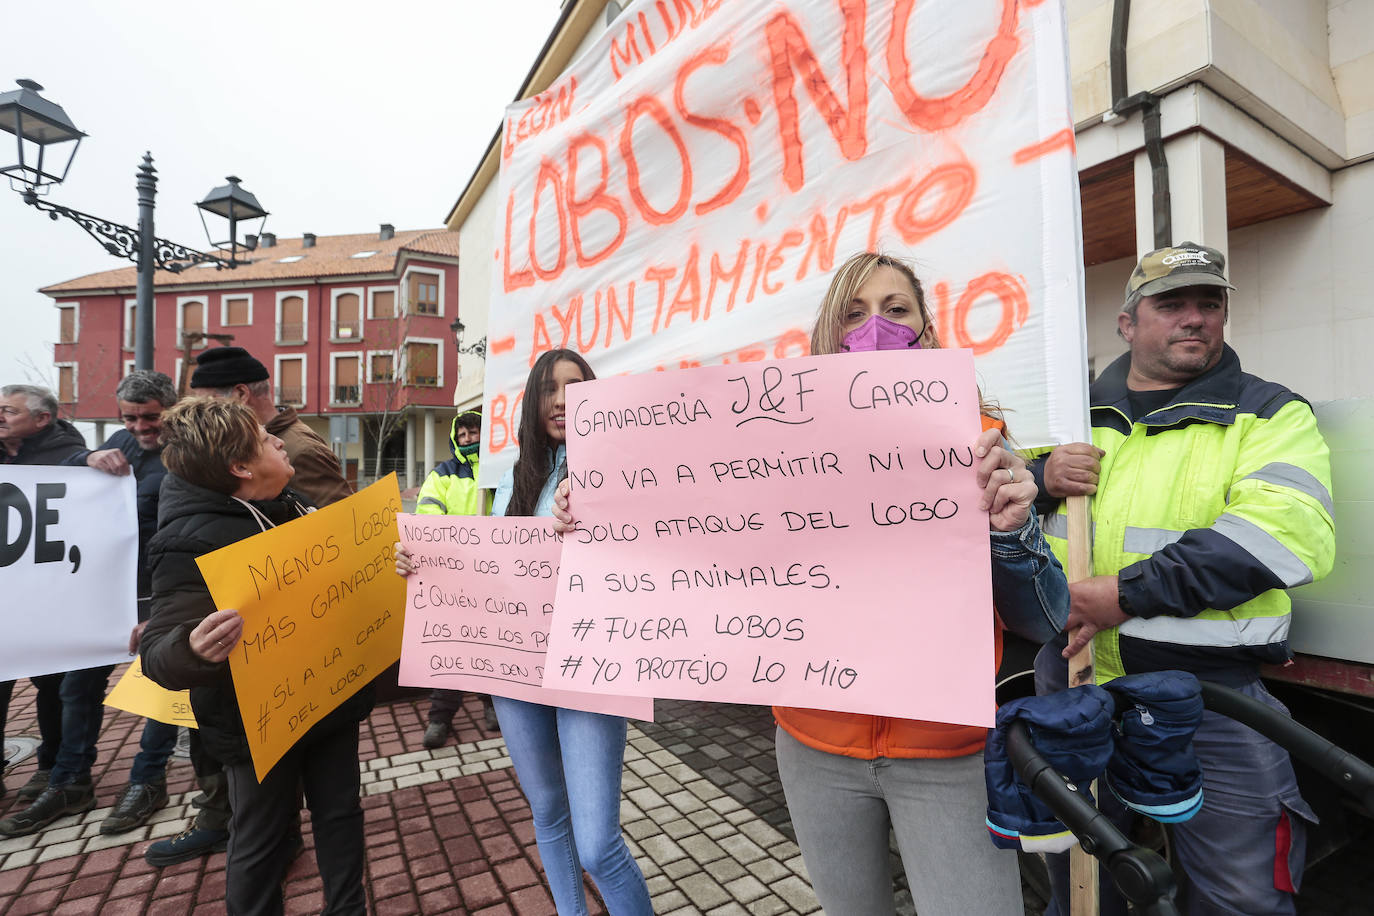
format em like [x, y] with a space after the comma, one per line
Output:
[338, 115]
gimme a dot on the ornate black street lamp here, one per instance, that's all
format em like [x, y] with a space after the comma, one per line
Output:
[478, 349]
[41, 128]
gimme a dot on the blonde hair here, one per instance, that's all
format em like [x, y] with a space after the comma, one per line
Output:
[852, 274]
[828, 333]
[202, 437]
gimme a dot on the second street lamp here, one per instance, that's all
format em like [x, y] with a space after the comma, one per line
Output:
[38, 125]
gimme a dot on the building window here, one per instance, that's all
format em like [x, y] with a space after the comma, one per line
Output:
[422, 364]
[66, 383]
[291, 319]
[290, 377]
[191, 320]
[424, 294]
[347, 316]
[236, 311]
[67, 326]
[131, 323]
[383, 303]
[381, 367]
[347, 370]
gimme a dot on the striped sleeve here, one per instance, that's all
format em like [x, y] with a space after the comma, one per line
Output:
[1276, 530]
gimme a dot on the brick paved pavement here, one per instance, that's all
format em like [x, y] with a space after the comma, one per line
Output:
[449, 832]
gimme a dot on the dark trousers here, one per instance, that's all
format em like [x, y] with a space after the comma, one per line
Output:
[155, 747]
[326, 763]
[6, 690]
[214, 813]
[443, 704]
[49, 705]
[70, 712]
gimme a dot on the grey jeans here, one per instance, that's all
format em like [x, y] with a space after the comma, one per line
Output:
[842, 809]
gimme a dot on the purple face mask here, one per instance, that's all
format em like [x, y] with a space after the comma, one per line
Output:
[879, 333]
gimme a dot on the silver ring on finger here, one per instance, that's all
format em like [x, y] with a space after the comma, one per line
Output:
[1011, 476]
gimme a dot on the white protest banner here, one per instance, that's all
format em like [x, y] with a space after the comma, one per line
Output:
[802, 532]
[681, 194]
[478, 608]
[68, 562]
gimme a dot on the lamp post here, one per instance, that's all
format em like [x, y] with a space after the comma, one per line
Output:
[39, 126]
[478, 349]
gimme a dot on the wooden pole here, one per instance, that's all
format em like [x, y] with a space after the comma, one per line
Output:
[1083, 890]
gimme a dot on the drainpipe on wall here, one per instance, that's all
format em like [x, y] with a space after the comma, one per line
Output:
[1148, 105]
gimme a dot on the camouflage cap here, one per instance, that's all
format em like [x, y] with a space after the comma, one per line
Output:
[1186, 264]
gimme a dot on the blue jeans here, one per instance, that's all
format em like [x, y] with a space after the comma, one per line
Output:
[83, 711]
[569, 765]
[154, 748]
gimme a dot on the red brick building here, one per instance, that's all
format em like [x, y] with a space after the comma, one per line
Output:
[348, 325]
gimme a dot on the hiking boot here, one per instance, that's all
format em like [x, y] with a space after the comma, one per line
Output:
[191, 843]
[52, 803]
[435, 735]
[35, 786]
[134, 807]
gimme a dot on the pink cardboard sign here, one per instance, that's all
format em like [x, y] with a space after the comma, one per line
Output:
[804, 532]
[478, 608]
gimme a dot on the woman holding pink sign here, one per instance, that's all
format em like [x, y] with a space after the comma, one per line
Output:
[849, 777]
[569, 762]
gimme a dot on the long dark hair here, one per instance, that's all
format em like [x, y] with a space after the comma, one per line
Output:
[532, 467]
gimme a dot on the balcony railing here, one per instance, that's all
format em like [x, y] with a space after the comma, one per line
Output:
[425, 308]
[347, 330]
[348, 394]
[289, 332]
[290, 394]
[430, 381]
[382, 376]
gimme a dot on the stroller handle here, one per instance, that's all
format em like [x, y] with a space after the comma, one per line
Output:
[1339, 766]
[1140, 874]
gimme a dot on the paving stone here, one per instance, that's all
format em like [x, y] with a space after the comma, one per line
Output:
[670, 901]
[742, 849]
[661, 849]
[681, 828]
[769, 871]
[797, 893]
[701, 848]
[747, 888]
[725, 870]
[703, 891]
[681, 868]
[729, 909]
[60, 850]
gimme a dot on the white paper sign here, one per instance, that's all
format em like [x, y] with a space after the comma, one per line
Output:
[68, 569]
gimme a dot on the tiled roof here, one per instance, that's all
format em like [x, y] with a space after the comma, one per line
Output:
[331, 256]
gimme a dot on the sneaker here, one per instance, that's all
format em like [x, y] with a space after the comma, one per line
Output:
[52, 803]
[34, 787]
[134, 807]
[435, 735]
[489, 719]
[191, 843]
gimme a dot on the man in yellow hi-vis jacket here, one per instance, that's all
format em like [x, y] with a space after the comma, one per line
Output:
[1212, 495]
[451, 489]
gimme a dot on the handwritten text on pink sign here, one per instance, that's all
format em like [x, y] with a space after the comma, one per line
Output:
[803, 532]
[478, 608]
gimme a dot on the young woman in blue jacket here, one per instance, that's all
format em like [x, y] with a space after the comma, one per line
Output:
[569, 762]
